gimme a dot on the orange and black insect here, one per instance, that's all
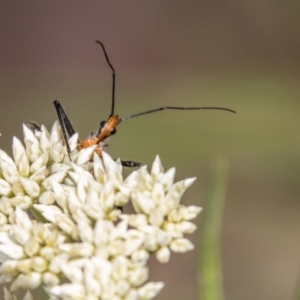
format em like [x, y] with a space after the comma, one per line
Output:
[108, 127]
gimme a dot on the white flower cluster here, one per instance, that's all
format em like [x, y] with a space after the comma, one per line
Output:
[62, 227]
[11, 296]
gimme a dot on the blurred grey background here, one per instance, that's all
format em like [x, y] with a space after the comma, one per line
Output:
[243, 55]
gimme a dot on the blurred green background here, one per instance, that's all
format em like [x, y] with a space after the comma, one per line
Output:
[243, 55]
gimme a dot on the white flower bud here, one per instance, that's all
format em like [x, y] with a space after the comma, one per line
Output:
[20, 157]
[138, 276]
[156, 218]
[28, 281]
[57, 153]
[5, 188]
[150, 290]
[181, 245]
[17, 189]
[47, 252]
[9, 267]
[77, 250]
[12, 251]
[31, 187]
[29, 136]
[167, 178]
[186, 227]
[55, 134]
[45, 144]
[163, 255]
[143, 203]
[28, 296]
[3, 219]
[40, 175]
[32, 247]
[33, 151]
[85, 155]
[47, 198]
[68, 291]
[92, 285]
[39, 264]
[73, 141]
[56, 177]
[24, 266]
[140, 256]
[23, 220]
[40, 163]
[191, 212]
[5, 205]
[49, 279]
[57, 263]
[4, 158]
[157, 167]
[9, 172]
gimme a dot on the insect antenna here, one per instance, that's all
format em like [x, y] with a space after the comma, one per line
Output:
[172, 107]
[113, 79]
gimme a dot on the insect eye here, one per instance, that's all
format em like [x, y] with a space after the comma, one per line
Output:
[102, 124]
[113, 131]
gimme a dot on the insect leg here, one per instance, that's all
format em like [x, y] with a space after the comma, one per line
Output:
[130, 163]
[65, 124]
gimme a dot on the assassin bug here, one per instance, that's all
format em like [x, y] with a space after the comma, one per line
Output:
[108, 127]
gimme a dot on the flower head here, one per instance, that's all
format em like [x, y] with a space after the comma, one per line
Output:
[61, 220]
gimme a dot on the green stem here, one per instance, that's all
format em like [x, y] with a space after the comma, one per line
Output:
[297, 292]
[210, 274]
